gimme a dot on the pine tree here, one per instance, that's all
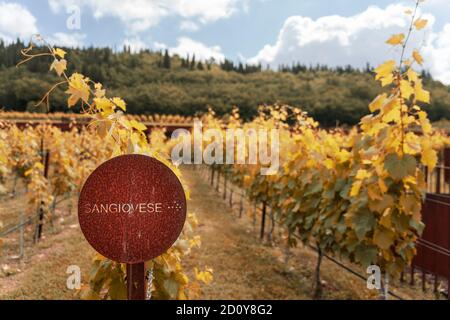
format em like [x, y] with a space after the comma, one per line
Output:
[166, 60]
[193, 62]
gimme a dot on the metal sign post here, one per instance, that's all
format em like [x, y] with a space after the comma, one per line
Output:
[131, 210]
[136, 284]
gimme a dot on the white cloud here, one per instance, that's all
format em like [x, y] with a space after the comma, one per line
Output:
[16, 22]
[140, 15]
[437, 6]
[335, 40]
[72, 40]
[159, 46]
[136, 44]
[206, 10]
[437, 53]
[355, 40]
[187, 25]
[187, 46]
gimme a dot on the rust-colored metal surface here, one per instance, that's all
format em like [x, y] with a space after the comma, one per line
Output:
[446, 158]
[433, 247]
[136, 287]
[132, 209]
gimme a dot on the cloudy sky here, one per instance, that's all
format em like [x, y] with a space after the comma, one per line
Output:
[336, 32]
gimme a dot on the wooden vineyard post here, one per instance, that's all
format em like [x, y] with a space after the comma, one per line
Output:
[225, 187]
[438, 180]
[424, 281]
[230, 202]
[38, 233]
[136, 284]
[212, 176]
[218, 181]
[254, 214]
[241, 206]
[263, 220]
[21, 235]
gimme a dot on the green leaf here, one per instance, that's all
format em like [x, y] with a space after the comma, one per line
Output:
[117, 289]
[419, 226]
[314, 187]
[381, 205]
[364, 221]
[366, 255]
[383, 238]
[398, 168]
[400, 221]
[171, 288]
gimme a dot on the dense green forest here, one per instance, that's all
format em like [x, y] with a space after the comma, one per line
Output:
[154, 82]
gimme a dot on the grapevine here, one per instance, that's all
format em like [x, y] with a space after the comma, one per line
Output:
[121, 136]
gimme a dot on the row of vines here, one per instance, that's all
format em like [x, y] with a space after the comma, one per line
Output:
[356, 194]
[74, 155]
[51, 165]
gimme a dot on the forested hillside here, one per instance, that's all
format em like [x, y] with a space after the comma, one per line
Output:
[153, 82]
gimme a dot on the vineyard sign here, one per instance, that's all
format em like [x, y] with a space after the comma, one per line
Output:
[132, 209]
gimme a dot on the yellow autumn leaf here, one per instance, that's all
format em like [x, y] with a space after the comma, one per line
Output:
[99, 91]
[120, 103]
[408, 203]
[78, 89]
[412, 75]
[396, 39]
[28, 172]
[387, 80]
[420, 93]
[385, 220]
[384, 70]
[377, 103]
[420, 24]
[98, 257]
[424, 122]
[417, 57]
[103, 127]
[329, 164]
[39, 166]
[247, 181]
[356, 187]
[195, 242]
[383, 238]
[362, 174]
[374, 192]
[343, 156]
[182, 279]
[59, 66]
[104, 105]
[393, 115]
[59, 52]
[137, 125]
[382, 185]
[429, 156]
[406, 89]
[204, 276]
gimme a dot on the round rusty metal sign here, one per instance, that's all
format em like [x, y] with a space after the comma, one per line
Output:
[132, 208]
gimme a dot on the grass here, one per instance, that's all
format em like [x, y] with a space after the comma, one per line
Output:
[42, 273]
